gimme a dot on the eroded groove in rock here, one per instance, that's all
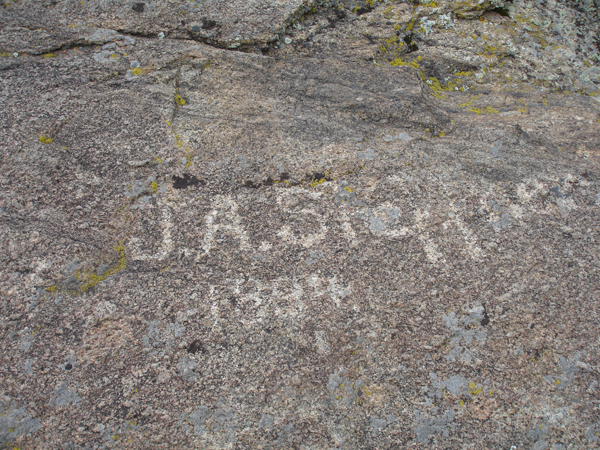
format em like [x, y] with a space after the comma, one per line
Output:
[223, 23]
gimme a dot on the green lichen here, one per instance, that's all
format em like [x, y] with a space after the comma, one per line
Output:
[90, 280]
[468, 105]
[400, 62]
[46, 140]
[475, 110]
[525, 109]
[437, 88]
[473, 389]
[178, 142]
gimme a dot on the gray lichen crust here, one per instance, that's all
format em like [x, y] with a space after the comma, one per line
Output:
[345, 224]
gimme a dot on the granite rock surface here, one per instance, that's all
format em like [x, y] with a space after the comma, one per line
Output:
[299, 224]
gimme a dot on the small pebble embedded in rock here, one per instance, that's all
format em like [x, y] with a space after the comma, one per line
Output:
[195, 347]
[186, 180]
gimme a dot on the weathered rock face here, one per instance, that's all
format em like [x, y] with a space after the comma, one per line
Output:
[221, 22]
[376, 226]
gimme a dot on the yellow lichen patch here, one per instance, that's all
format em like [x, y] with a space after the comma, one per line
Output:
[317, 182]
[475, 110]
[49, 55]
[51, 289]
[137, 71]
[178, 140]
[462, 403]
[438, 95]
[400, 62]
[180, 101]
[473, 390]
[154, 186]
[91, 279]
[349, 189]
[46, 140]
[524, 110]
[557, 382]
[436, 87]
[468, 102]
[545, 101]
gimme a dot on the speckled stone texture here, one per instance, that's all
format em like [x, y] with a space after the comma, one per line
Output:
[299, 225]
